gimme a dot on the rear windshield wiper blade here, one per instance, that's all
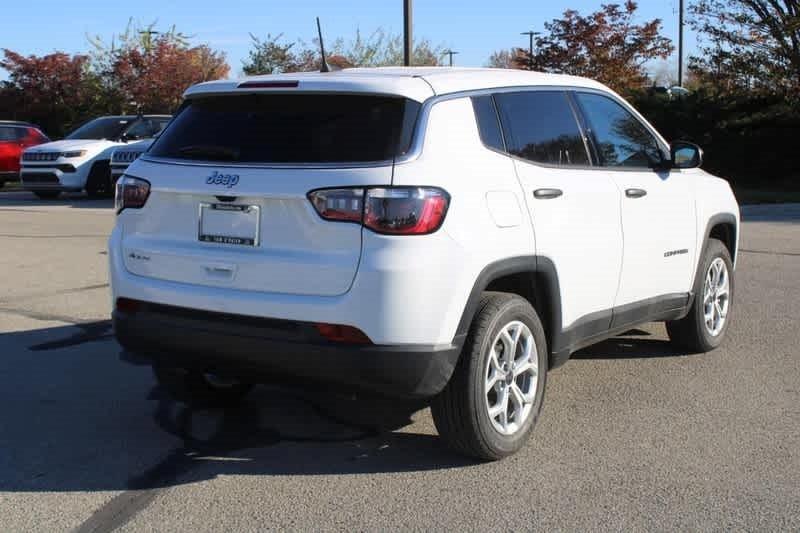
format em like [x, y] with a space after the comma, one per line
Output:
[209, 150]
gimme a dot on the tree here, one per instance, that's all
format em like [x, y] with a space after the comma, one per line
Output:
[269, 56]
[383, 49]
[154, 78]
[750, 45]
[272, 55]
[51, 90]
[148, 70]
[500, 59]
[606, 45]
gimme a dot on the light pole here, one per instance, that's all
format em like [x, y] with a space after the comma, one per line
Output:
[680, 44]
[531, 35]
[450, 53]
[408, 40]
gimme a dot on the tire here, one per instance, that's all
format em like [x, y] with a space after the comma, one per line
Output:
[692, 332]
[196, 389]
[461, 410]
[47, 195]
[98, 184]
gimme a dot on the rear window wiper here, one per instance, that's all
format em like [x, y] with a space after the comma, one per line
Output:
[209, 150]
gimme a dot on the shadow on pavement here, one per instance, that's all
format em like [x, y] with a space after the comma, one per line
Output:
[74, 417]
[630, 345]
[786, 213]
[22, 199]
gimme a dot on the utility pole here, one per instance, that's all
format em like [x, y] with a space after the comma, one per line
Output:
[531, 34]
[450, 53]
[408, 40]
[148, 43]
[680, 44]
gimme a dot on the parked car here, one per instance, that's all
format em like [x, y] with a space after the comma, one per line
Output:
[14, 138]
[452, 234]
[81, 160]
[676, 91]
[122, 157]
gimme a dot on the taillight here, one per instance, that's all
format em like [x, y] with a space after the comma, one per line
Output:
[388, 210]
[405, 210]
[131, 193]
[345, 205]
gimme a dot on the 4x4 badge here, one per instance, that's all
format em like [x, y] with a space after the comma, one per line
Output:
[228, 180]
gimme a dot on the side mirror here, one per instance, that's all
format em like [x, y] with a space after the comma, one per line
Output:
[686, 155]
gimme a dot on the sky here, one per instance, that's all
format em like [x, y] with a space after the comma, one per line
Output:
[474, 28]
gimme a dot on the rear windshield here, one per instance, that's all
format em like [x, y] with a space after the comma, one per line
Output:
[283, 128]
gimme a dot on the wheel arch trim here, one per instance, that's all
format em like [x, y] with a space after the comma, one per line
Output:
[714, 221]
[546, 288]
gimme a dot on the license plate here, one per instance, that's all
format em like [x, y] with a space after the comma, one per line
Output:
[229, 224]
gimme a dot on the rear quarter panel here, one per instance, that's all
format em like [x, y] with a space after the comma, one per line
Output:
[487, 219]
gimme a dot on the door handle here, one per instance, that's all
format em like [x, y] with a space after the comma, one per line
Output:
[547, 194]
[635, 193]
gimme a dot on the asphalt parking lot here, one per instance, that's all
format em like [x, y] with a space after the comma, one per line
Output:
[634, 435]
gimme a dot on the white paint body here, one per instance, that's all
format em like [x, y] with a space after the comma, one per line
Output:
[96, 150]
[607, 249]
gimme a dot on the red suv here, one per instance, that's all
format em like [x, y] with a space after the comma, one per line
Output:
[14, 138]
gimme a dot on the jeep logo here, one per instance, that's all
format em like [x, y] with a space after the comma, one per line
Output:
[228, 180]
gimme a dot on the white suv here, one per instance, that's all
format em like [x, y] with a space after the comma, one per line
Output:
[443, 233]
[81, 160]
[122, 157]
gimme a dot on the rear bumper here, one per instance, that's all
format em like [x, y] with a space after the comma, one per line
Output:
[9, 175]
[269, 349]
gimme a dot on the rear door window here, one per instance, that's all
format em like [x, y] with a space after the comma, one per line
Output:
[297, 128]
[540, 126]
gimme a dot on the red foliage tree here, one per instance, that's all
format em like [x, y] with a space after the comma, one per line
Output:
[606, 45]
[52, 90]
[154, 78]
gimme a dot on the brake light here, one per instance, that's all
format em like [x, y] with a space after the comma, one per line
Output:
[131, 193]
[405, 210]
[268, 84]
[387, 210]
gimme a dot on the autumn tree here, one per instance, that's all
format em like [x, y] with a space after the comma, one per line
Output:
[53, 90]
[148, 70]
[607, 45]
[154, 79]
[749, 45]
